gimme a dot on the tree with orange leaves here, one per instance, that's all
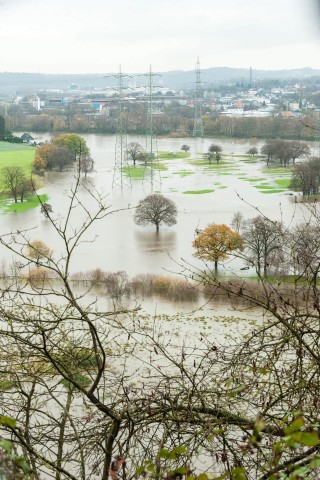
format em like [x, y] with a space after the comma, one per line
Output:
[215, 242]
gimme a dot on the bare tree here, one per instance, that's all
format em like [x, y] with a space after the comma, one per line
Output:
[46, 209]
[14, 180]
[86, 164]
[135, 150]
[306, 177]
[263, 241]
[214, 152]
[86, 384]
[154, 210]
[284, 151]
[185, 148]
[238, 222]
[252, 151]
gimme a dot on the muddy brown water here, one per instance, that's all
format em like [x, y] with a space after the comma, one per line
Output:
[116, 243]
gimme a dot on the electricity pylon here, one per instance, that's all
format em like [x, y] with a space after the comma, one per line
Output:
[198, 126]
[152, 170]
[120, 179]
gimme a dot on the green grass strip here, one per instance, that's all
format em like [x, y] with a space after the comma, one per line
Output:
[137, 173]
[283, 182]
[8, 146]
[31, 202]
[172, 155]
[197, 192]
[278, 171]
[183, 174]
[253, 179]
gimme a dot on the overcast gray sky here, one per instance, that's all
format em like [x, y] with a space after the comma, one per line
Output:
[95, 36]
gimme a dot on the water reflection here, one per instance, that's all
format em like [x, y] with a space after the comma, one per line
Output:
[153, 242]
[119, 244]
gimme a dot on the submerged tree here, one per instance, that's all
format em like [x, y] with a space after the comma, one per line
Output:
[156, 209]
[263, 240]
[85, 384]
[134, 151]
[74, 143]
[185, 148]
[214, 152]
[17, 183]
[215, 242]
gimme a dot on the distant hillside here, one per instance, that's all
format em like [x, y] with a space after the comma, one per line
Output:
[24, 83]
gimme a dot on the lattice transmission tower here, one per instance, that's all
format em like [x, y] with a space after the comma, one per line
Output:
[198, 125]
[152, 170]
[121, 179]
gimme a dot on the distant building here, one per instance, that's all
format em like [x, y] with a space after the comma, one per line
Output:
[27, 138]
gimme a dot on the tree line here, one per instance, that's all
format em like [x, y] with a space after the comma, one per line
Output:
[174, 120]
[64, 151]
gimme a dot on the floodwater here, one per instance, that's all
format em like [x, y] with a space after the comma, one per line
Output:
[115, 243]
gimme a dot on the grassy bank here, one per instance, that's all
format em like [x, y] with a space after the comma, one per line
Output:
[17, 155]
[32, 201]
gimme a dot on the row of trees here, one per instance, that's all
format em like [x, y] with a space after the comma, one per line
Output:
[63, 151]
[84, 384]
[306, 177]
[284, 152]
[175, 118]
[266, 245]
[60, 153]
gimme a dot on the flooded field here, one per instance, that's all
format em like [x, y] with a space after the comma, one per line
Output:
[203, 194]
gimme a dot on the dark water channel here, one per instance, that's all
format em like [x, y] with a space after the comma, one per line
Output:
[116, 243]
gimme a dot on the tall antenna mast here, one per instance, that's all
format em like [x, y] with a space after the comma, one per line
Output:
[152, 170]
[121, 180]
[198, 126]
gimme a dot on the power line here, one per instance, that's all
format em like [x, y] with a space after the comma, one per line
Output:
[121, 179]
[198, 126]
[152, 170]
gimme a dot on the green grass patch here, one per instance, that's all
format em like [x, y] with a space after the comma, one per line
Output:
[197, 192]
[183, 173]
[172, 155]
[254, 179]
[8, 146]
[137, 173]
[277, 171]
[250, 157]
[17, 158]
[268, 189]
[204, 162]
[284, 279]
[264, 187]
[283, 182]
[31, 202]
